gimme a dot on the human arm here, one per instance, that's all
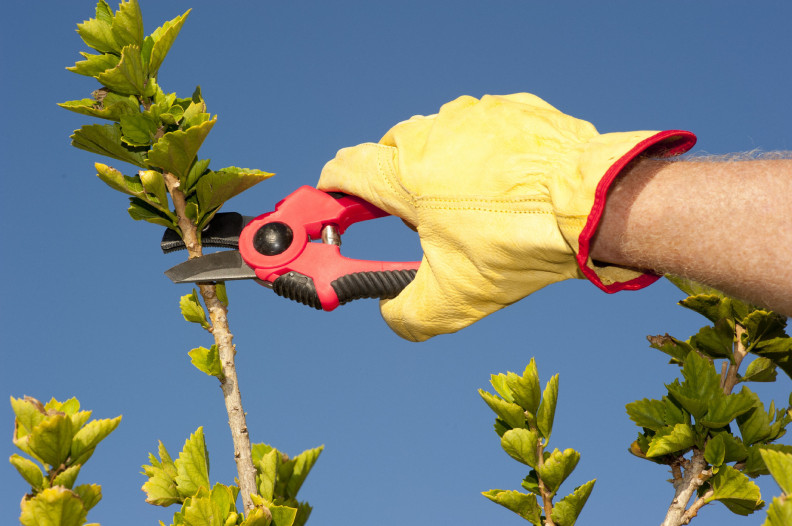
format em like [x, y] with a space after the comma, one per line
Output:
[725, 224]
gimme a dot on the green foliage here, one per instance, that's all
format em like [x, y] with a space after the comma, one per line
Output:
[157, 132]
[779, 463]
[524, 421]
[185, 481]
[702, 422]
[60, 439]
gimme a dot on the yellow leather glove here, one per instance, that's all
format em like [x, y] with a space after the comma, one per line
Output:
[505, 192]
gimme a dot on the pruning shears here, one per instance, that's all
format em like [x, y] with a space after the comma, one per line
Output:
[295, 251]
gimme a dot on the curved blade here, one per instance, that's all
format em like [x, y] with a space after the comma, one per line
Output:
[223, 231]
[220, 266]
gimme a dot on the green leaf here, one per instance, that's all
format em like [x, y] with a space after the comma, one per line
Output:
[754, 425]
[141, 210]
[29, 470]
[197, 170]
[520, 503]
[257, 517]
[106, 140]
[511, 414]
[105, 110]
[163, 38]
[67, 477]
[192, 310]
[735, 451]
[118, 181]
[29, 413]
[175, 151]
[267, 469]
[780, 466]
[93, 65]
[692, 288]
[192, 466]
[52, 438]
[674, 413]
[56, 506]
[779, 513]
[546, 412]
[531, 483]
[90, 494]
[567, 510]
[128, 77]
[701, 384]
[215, 188]
[222, 295]
[89, 436]
[723, 410]
[207, 361]
[522, 445]
[736, 491]
[671, 440]
[97, 33]
[760, 370]
[160, 487]
[715, 342]
[526, 389]
[715, 452]
[710, 306]
[154, 184]
[557, 467]
[203, 511]
[194, 114]
[676, 349]
[283, 515]
[138, 129]
[498, 382]
[127, 24]
[755, 465]
[302, 466]
[763, 325]
[648, 413]
[104, 12]
[779, 350]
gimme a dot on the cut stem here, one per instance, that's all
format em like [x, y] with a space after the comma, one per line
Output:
[218, 314]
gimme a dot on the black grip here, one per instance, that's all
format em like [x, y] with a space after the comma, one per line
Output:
[383, 284]
[297, 287]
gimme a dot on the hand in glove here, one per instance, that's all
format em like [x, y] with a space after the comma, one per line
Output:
[505, 192]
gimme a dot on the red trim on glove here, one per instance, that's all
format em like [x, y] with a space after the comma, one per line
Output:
[663, 144]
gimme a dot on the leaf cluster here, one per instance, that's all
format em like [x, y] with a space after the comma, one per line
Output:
[158, 132]
[185, 481]
[701, 415]
[524, 421]
[60, 439]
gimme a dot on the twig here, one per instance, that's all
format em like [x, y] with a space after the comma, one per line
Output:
[218, 314]
[730, 379]
[547, 496]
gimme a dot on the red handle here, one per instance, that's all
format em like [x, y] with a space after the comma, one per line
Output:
[299, 218]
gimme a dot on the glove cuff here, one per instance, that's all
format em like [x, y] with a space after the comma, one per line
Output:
[613, 278]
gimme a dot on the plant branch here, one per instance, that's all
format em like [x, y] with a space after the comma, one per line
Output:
[218, 314]
[730, 379]
[695, 474]
[547, 497]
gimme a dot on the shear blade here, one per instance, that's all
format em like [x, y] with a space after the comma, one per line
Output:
[222, 231]
[220, 266]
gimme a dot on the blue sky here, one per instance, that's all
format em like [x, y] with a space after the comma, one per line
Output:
[87, 311]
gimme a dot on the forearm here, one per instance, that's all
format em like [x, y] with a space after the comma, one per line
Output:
[726, 224]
